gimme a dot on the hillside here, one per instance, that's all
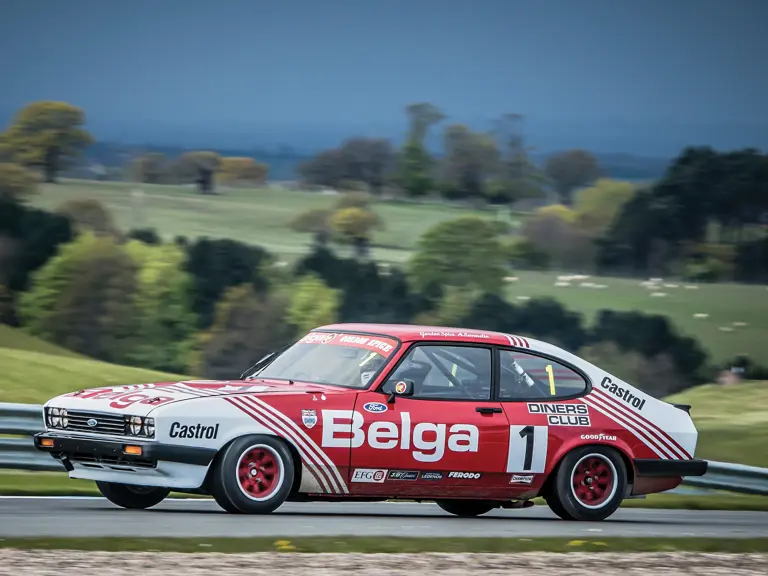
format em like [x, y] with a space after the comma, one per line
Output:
[732, 421]
[34, 377]
[17, 339]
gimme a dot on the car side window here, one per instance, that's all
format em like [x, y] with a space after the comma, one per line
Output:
[527, 377]
[441, 372]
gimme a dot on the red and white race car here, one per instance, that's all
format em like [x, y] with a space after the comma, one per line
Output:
[473, 420]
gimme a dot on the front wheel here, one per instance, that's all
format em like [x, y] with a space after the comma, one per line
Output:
[253, 476]
[132, 497]
[589, 484]
[466, 508]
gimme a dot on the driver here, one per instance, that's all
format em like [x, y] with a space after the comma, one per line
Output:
[369, 366]
[515, 381]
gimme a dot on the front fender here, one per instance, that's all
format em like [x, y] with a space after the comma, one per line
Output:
[214, 422]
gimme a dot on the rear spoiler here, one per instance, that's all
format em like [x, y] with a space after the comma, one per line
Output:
[683, 407]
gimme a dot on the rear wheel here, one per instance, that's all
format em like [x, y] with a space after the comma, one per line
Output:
[133, 497]
[589, 484]
[253, 476]
[466, 508]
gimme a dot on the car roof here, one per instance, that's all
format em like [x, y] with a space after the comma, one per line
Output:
[411, 332]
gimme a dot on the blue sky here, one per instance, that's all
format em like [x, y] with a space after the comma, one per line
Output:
[620, 75]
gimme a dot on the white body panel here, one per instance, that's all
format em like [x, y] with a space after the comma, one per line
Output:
[649, 418]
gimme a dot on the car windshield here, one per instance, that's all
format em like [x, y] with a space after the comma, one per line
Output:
[348, 360]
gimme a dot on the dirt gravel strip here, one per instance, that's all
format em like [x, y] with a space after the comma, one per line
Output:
[55, 562]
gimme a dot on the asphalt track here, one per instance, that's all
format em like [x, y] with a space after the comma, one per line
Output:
[83, 517]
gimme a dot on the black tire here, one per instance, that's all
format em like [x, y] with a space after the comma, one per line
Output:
[132, 497]
[466, 508]
[265, 488]
[600, 492]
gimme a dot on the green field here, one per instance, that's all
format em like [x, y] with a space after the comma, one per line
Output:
[34, 378]
[255, 216]
[740, 309]
[262, 216]
[732, 421]
[12, 338]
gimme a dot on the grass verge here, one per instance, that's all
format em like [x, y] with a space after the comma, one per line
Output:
[34, 378]
[59, 484]
[732, 421]
[382, 545]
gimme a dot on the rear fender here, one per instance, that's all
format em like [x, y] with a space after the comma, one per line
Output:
[619, 447]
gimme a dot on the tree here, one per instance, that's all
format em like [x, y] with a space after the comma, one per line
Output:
[216, 265]
[152, 168]
[570, 170]
[16, 183]
[596, 207]
[82, 299]
[32, 237]
[415, 164]
[464, 252]
[470, 160]
[368, 160]
[237, 171]
[199, 168]
[356, 225]
[247, 326]
[317, 222]
[387, 298]
[164, 304]
[326, 169]
[415, 169]
[312, 304]
[421, 117]
[89, 214]
[47, 135]
[365, 160]
[518, 177]
[554, 232]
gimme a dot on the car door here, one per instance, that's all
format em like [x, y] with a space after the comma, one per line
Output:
[539, 396]
[447, 439]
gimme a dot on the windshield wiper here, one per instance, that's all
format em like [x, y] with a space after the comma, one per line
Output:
[261, 364]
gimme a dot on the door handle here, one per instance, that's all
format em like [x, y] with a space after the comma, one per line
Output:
[488, 410]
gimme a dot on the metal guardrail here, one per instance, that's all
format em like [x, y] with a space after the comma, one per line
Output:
[24, 420]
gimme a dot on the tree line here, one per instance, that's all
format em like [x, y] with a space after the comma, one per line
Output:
[210, 307]
[492, 166]
[703, 220]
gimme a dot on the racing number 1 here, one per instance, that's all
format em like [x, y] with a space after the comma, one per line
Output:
[527, 449]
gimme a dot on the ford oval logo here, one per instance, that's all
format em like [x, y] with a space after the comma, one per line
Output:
[92, 422]
[375, 407]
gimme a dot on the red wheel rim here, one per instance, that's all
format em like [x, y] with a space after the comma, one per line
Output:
[593, 480]
[259, 472]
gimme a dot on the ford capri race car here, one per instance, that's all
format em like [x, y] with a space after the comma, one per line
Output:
[472, 420]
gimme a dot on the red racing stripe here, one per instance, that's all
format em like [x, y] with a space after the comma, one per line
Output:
[311, 466]
[670, 442]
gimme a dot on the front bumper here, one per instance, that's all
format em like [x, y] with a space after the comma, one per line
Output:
[657, 468]
[70, 449]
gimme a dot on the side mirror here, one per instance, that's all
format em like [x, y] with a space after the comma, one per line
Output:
[402, 387]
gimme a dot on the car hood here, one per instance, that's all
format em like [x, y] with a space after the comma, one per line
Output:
[140, 399]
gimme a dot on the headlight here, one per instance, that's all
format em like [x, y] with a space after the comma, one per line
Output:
[135, 424]
[54, 417]
[140, 426]
[57, 418]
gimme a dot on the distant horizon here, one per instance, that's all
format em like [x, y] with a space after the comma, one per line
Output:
[545, 137]
[645, 78]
